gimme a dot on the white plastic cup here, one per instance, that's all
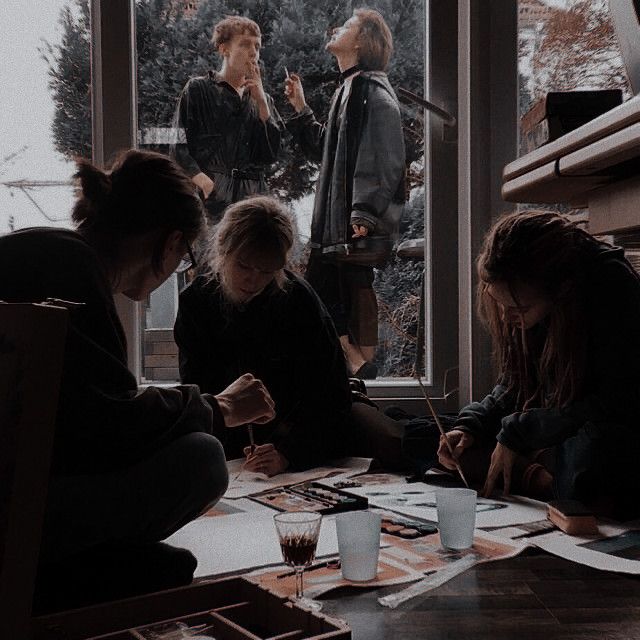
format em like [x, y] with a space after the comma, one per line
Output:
[359, 544]
[456, 517]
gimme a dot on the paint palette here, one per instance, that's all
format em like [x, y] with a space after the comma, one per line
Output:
[312, 496]
[406, 528]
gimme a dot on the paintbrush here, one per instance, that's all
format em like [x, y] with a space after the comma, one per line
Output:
[252, 442]
[252, 448]
[441, 429]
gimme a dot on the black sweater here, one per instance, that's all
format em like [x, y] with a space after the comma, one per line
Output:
[611, 393]
[104, 421]
[285, 338]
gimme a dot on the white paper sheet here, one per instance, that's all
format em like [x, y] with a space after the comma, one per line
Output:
[614, 549]
[418, 499]
[246, 483]
[241, 541]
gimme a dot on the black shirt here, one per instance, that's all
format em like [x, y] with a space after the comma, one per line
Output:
[104, 421]
[285, 338]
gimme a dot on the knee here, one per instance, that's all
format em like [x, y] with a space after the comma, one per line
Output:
[207, 467]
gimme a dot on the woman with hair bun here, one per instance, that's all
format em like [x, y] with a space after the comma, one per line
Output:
[130, 465]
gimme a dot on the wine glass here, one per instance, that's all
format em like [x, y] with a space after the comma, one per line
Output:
[298, 533]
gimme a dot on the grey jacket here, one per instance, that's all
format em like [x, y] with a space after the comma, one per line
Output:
[361, 178]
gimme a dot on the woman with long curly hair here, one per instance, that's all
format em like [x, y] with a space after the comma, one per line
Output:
[563, 311]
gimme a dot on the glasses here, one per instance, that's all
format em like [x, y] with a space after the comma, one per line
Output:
[188, 261]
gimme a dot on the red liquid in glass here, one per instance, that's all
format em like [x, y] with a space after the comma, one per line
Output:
[298, 552]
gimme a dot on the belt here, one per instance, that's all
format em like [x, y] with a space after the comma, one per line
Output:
[239, 174]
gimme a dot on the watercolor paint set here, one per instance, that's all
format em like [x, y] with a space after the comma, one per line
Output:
[406, 528]
[312, 496]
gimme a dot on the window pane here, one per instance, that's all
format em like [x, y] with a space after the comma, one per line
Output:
[565, 45]
[568, 45]
[173, 46]
[46, 110]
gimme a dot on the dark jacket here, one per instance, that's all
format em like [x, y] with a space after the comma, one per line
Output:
[219, 131]
[104, 421]
[285, 338]
[612, 386]
[361, 177]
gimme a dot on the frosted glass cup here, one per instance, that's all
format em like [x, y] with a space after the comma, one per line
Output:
[456, 517]
[359, 544]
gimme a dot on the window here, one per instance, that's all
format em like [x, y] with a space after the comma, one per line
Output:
[566, 46]
[572, 46]
[46, 110]
[173, 45]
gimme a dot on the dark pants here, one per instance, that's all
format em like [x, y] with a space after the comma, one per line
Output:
[347, 292]
[375, 435]
[141, 504]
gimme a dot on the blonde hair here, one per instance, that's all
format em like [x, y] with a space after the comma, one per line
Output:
[257, 225]
[375, 40]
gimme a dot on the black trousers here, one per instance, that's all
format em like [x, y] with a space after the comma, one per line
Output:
[347, 292]
[144, 503]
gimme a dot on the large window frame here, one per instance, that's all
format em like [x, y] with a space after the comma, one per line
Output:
[459, 189]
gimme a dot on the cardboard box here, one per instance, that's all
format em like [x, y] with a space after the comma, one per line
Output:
[562, 111]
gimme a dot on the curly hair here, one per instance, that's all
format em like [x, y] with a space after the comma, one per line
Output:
[233, 26]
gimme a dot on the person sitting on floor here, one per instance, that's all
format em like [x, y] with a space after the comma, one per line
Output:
[249, 314]
[130, 466]
[563, 310]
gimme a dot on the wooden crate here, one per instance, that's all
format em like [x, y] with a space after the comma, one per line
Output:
[231, 608]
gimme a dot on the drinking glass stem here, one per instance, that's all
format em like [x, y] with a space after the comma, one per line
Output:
[299, 588]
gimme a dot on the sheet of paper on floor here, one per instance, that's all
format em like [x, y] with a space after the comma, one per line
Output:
[245, 483]
[226, 507]
[615, 548]
[241, 541]
[427, 553]
[418, 500]
[319, 581]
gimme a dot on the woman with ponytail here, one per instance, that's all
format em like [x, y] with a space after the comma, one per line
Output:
[563, 311]
[130, 465]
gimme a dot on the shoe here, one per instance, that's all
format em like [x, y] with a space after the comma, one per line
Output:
[368, 371]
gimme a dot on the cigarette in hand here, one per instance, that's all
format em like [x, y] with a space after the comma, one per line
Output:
[286, 73]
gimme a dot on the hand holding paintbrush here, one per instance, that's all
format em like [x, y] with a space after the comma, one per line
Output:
[265, 458]
[248, 451]
[443, 435]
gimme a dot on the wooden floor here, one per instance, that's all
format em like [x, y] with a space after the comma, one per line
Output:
[532, 597]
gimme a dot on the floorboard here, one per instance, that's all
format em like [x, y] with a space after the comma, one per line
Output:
[532, 597]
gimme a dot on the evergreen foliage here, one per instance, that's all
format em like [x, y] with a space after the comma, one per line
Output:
[174, 44]
[69, 75]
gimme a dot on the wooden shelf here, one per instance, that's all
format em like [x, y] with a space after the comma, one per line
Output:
[595, 166]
